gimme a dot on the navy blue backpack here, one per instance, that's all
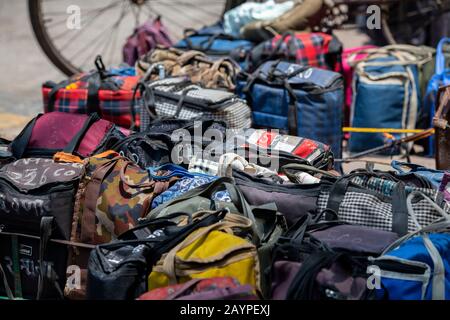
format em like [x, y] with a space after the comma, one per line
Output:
[298, 100]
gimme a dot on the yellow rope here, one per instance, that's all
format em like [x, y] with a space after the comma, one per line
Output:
[382, 130]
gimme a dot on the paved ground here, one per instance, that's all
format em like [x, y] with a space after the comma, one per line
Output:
[24, 68]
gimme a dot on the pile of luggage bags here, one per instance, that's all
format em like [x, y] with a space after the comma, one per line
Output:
[109, 195]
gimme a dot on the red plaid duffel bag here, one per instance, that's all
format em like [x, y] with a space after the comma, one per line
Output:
[109, 93]
[318, 50]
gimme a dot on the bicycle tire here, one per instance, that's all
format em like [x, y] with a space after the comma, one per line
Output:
[50, 50]
[45, 42]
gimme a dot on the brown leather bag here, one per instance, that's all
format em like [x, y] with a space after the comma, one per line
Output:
[215, 74]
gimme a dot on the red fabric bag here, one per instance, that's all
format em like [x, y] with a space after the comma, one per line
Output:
[72, 133]
[109, 93]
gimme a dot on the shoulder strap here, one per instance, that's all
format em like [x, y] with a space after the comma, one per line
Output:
[19, 144]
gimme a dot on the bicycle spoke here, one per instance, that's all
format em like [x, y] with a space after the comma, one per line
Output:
[85, 27]
[98, 36]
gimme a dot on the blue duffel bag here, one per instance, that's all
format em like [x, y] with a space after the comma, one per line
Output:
[387, 92]
[298, 100]
[417, 266]
[214, 43]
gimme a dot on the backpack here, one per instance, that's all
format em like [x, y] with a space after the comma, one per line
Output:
[417, 266]
[387, 87]
[36, 202]
[298, 100]
[317, 50]
[105, 92]
[197, 66]
[119, 270]
[78, 134]
[144, 39]
[440, 78]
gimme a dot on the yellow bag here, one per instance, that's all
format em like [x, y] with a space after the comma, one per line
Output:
[208, 252]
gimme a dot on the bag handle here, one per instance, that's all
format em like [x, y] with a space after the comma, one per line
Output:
[133, 185]
[398, 202]
[45, 234]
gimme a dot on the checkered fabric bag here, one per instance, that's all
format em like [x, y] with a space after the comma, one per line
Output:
[301, 101]
[378, 205]
[318, 50]
[108, 93]
[180, 99]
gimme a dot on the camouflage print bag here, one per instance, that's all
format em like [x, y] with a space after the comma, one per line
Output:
[112, 195]
[116, 194]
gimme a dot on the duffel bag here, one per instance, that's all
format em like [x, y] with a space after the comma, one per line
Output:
[325, 260]
[119, 270]
[302, 101]
[214, 43]
[179, 98]
[36, 201]
[211, 251]
[388, 86]
[195, 65]
[292, 200]
[77, 134]
[220, 288]
[144, 39]
[317, 50]
[417, 266]
[381, 205]
[105, 92]
[114, 193]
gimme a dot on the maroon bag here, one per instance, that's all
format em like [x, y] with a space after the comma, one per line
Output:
[224, 288]
[144, 39]
[77, 134]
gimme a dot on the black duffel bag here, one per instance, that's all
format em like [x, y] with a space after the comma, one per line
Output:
[36, 202]
[119, 270]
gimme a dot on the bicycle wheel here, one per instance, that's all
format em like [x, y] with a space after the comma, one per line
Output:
[73, 32]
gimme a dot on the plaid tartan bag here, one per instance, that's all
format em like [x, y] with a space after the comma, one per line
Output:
[181, 99]
[377, 203]
[318, 50]
[106, 92]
